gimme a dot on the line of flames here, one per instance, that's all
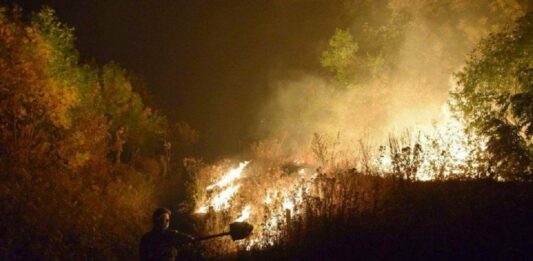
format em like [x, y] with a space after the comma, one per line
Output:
[286, 200]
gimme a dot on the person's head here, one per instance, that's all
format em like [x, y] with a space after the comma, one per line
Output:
[161, 218]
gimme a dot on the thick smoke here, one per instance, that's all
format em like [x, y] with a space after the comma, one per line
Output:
[410, 94]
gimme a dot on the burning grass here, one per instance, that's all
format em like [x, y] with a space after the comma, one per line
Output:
[280, 193]
[414, 193]
[391, 219]
[358, 215]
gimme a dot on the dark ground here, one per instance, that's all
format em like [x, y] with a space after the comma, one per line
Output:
[454, 220]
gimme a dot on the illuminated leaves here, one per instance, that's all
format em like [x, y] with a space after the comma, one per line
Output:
[125, 108]
[54, 142]
[495, 96]
[339, 56]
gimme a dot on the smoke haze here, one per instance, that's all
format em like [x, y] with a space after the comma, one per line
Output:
[410, 89]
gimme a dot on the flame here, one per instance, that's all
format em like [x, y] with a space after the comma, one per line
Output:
[268, 199]
[272, 199]
[446, 145]
[202, 210]
[221, 200]
[288, 204]
[245, 214]
[231, 176]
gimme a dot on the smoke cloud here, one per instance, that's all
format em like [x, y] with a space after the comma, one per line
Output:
[408, 94]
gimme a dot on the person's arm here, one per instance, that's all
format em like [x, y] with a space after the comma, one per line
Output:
[181, 238]
[186, 238]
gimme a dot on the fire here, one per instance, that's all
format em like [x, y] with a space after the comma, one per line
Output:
[445, 149]
[224, 190]
[231, 176]
[282, 200]
[268, 200]
[202, 210]
[221, 200]
[288, 204]
[245, 214]
[273, 198]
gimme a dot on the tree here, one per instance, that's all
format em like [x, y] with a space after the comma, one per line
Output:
[145, 128]
[85, 139]
[53, 147]
[34, 104]
[421, 41]
[339, 57]
[495, 94]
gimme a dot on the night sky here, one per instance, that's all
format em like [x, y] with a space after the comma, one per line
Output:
[209, 63]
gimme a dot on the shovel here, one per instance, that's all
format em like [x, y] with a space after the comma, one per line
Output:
[237, 231]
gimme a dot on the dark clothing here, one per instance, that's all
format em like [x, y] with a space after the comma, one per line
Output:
[162, 245]
[185, 223]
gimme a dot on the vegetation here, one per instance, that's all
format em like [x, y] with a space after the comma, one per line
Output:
[72, 136]
[84, 159]
[339, 57]
[494, 92]
[349, 208]
[495, 95]
[376, 37]
[383, 218]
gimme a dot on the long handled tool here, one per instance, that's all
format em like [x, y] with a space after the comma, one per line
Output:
[237, 231]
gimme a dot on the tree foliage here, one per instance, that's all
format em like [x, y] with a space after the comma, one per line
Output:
[58, 123]
[338, 58]
[413, 47]
[496, 95]
[34, 105]
[125, 108]
[385, 38]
